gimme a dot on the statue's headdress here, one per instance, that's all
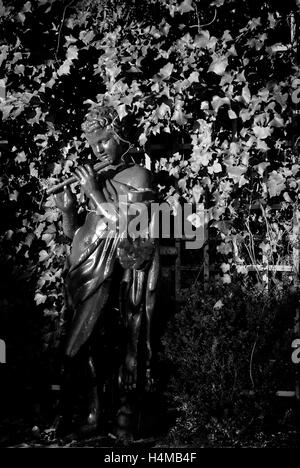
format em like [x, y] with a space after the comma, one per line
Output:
[104, 118]
[101, 118]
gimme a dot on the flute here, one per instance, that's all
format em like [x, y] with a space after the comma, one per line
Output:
[59, 187]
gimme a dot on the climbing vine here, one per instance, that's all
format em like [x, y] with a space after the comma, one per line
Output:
[218, 78]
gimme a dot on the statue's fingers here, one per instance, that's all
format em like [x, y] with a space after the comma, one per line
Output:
[106, 158]
[84, 171]
[68, 191]
[79, 173]
[89, 169]
[57, 198]
[78, 170]
[68, 195]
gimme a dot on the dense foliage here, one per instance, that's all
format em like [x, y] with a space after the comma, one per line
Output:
[227, 364]
[213, 74]
[215, 83]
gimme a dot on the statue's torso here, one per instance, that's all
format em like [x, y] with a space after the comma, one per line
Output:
[134, 177]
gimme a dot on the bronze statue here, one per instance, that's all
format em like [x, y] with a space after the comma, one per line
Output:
[111, 272]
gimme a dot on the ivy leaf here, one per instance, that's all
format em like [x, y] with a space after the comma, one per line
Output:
[218, 65]
[262, 132]
[244, 115]
[21, 17]
[226, 279]
[295, 169]
[50, 83]
[3, 53]
[13, 196]
[218, 305]
[225, 267]
[57, 169]
[215, 168]
[47, 238]
[43, 255]
[33, 170]
[261, 167]
[143, 139]
[254, 23]
[200, 158]
[262, 145]
[275, 183]
[19, 69]
[287, 198]
[38, 231]
[197, 191]
[179, 115]
[195, 220]
[86, 36]
[21, 157]
[218, 102]
[185, 6]
[70, 39]
[122, 111]
[264, 94]
[277, 122]
[231, 114]
[246, 94]
[27, 7]
[224, 248]
[64, 69]
[194, 77]
[236, 172]
[163, 110]
[6, 110]
[3, 10]
[72, 52]
[40, 298]
[2, 88]
[166, 71]
[29, 239]
[202, 39]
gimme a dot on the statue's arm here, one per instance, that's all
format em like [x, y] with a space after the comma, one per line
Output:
[66, 202]
[70, 223]
[105, 199]
[104, 206]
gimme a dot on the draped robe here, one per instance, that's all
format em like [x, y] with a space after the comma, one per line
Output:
[90, 276]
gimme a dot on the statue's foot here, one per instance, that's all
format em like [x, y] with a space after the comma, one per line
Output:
[150, 384]
[125, 423]
[53, 433]
[124, 437]
[48, 436]
[128, 374]
[91, 425]
[88, 429]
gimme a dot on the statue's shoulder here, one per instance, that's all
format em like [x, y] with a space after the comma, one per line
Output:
[135, 175]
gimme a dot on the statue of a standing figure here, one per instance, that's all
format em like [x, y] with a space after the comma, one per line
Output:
[112, 275]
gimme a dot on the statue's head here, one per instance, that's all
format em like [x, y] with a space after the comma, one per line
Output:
[102, 130]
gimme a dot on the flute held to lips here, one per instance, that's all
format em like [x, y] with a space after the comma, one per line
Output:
[59, 187]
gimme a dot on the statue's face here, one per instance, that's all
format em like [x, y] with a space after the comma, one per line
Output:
[104, 144]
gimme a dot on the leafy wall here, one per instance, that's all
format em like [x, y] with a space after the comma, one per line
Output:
[220, 77]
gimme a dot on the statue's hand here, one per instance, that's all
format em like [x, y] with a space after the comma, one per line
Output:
[87, 180]
[65, 200]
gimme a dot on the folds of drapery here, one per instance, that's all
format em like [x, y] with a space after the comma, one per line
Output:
[89, 286]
